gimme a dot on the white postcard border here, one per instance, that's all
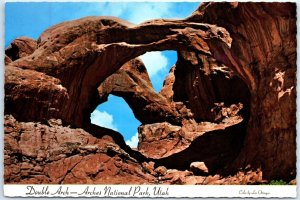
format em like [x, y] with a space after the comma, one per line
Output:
[213, 191]
[150, 191]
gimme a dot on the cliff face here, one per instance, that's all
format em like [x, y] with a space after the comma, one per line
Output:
[264, 48]
[226, 103]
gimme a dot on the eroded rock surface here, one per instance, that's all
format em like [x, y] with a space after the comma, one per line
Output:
[82, 58]
[20, 47]
[199, 168]
[264, 49]
[26, 89]
[39, 153]
[162, 140]
[227, 101]
[201, 82]
[132, 83]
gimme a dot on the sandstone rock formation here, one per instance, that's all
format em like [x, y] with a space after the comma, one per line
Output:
[132, 83]
[264, 48]
[82, 58]
[40, 153]
[51, 153]
[20, 47]
[199, 168]
[213, 143]
[227, 102]
[205, 83]
[7, 60]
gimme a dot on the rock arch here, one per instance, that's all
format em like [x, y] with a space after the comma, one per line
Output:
[60, 78]
[81, 58]
[132, 83]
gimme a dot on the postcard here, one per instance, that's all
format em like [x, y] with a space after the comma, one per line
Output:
[150, 99]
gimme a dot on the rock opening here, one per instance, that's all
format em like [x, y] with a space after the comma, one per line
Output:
[218, 103]
[115, 114]
[158, 65]
[226, 103]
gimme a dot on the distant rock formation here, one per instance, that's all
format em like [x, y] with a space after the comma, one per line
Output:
[228, 106]
[19, 48]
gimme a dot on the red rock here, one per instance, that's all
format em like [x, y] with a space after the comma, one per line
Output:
[66, 48]
[20, 47]
[199, 168]
[21, 85]
[264, 48]
[148, 167]
[293, 182]
[38, 153]
[161, 170]
[167, 89]
[177, 147]
[132, 83]
[210, 180]
[177, 177]
[7, 60]
[250, 61]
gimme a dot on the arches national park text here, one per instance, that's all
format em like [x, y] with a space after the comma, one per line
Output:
[99, 191]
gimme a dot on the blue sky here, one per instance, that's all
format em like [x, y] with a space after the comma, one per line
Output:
[31, 19]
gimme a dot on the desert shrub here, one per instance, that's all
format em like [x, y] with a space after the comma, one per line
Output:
[278, 182]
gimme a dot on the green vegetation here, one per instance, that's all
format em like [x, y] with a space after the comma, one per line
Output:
[278, 182]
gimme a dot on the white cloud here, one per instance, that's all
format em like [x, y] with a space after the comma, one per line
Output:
[110, 9]
[133, 142]
[103, 119]
[146, 11]
[154, 62]
[134, 12]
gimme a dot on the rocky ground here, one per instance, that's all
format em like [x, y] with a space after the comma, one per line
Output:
[54, 154]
